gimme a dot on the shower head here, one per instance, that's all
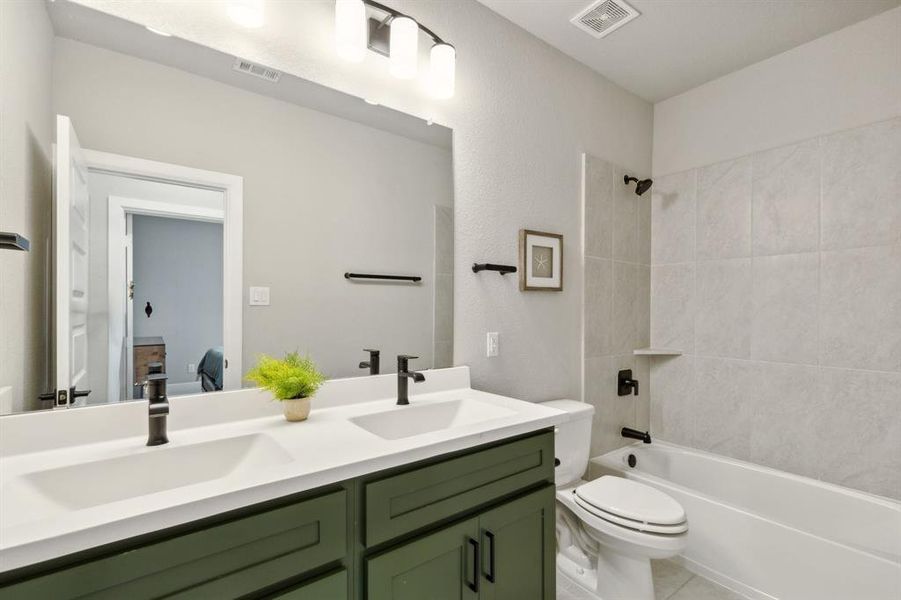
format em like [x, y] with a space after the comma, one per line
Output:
[641, 185]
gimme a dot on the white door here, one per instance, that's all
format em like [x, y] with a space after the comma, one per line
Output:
[70, 243]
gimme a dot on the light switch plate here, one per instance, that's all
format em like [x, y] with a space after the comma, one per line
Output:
[259, 296]
[493, 344]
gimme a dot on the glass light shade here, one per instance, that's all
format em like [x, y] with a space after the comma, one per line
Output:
[246, 13]
[350, 29]
[403, 47]
[442, 71]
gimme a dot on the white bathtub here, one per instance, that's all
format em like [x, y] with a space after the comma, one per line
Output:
[770, 534]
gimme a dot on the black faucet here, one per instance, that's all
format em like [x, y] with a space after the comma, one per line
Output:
[403, 374]
[373, 363]
[628, 432]
[625, 385]
[158, 409]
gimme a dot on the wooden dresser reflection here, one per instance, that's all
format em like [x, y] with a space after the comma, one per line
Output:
[147, 350]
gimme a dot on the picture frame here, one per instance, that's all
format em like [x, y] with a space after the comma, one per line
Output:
[540, 261]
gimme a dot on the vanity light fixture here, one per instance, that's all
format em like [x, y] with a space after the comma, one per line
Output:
[352, 37]
[442, 67]
[404, 47]
[350, 29]
[246, 13]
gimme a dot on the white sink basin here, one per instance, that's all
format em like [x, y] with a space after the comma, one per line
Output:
[154, 470]
[407, 421]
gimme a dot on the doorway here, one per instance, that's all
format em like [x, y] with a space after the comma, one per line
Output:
[172, 276]
[172, 289]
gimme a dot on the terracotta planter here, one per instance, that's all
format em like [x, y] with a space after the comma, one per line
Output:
[297, 409]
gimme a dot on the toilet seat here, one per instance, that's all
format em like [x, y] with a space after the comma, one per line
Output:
[632, 505]
[627, 539]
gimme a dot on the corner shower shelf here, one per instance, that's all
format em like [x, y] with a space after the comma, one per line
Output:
[657, 352]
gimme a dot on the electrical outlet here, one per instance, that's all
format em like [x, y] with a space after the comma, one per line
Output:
[192, 368]
[493, 348]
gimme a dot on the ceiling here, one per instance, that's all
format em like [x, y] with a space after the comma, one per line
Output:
[676, 45]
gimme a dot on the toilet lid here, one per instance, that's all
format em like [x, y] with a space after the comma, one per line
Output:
[630, 500]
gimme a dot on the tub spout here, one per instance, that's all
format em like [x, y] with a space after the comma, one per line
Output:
[644, 436]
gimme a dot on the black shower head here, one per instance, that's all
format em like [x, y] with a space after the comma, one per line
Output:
[641, 185]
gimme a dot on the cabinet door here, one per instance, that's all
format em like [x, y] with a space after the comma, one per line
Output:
[518, 549]
[439, 566]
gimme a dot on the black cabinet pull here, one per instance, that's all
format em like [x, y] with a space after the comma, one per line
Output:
[474, 585]
[490, 575]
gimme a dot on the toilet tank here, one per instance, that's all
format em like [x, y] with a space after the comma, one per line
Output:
[572, 440]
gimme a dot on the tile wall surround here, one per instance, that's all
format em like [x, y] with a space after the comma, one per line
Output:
[779, 276]
[617, 252]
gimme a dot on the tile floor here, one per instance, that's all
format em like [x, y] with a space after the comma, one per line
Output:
[671, 582]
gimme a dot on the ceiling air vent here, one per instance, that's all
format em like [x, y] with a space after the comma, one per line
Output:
[604, 17]
[245, 66]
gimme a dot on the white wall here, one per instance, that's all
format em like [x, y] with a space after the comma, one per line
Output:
[26, 128]
[842, 80]
[178, 269]
[322, 195]
[522, 115]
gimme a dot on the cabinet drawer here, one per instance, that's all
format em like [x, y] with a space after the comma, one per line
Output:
[330, 587]
[421, 497]
[221, 561]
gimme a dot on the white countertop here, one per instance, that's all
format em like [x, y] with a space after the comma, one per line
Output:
[325, 449]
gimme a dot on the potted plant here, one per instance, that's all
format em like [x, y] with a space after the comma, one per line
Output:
[292, 381]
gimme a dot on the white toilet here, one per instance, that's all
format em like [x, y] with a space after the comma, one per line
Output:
[609, 529]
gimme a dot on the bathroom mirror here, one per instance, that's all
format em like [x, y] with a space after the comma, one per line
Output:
[207, 209]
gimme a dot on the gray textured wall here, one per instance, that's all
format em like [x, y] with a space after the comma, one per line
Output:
[26, 128]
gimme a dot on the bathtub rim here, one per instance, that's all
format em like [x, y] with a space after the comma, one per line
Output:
[835, 487]
[890, 557]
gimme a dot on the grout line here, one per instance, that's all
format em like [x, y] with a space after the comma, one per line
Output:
[790, 364]
[785, 145]
[811, 251]
[678, 589]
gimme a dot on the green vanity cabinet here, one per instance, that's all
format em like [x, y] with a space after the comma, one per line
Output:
[422, 496]
[520, 538]
[437, 566]
[478, 523]
[229, 560]
[333, 586]
[506, 553]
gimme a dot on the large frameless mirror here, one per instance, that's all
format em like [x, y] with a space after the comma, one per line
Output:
[206, 209]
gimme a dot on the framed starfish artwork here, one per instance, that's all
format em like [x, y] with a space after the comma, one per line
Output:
[540, 261]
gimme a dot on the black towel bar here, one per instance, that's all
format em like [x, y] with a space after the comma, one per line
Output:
[13, 241]
[502, 269]
[413, 278]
